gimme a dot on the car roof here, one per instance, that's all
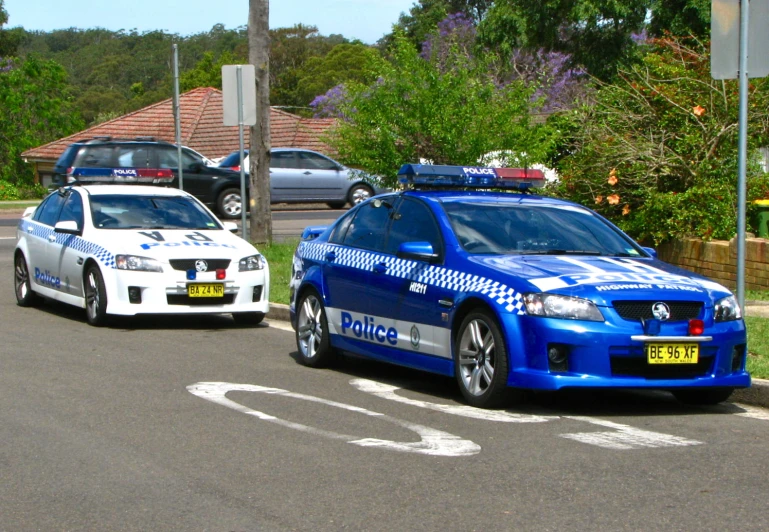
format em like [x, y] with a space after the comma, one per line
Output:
[130, 190]
[460, 196]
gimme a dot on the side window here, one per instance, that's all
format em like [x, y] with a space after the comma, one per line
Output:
[367, 229]
[337, 236]
[313, 161]
[168, 157]
[48, 212]
[283, 159]
[73, 209]
[133, 156]
[94, 157]
[413, 223]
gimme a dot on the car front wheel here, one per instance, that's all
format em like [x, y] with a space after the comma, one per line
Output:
[25, 296]
[359, 193]
[95, 297]
[229, 203]
[480, 360]
[312, 332]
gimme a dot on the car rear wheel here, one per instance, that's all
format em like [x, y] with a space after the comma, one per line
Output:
[312, 332]
[480, 360]
[703, 397]
[359, 193]
[248, 318]
[95, 297]
[229, 203]
[25, 296]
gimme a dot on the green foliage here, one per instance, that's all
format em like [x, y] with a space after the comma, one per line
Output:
[595, 33]
[681, 17]
[34, 109]
[208, 71]
[279, 256]
[9, 191]
[344, 63]
[656, 151]
[449, 113]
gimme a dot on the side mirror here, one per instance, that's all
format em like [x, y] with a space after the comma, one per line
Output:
[232, 227]
[650, 251]
[417, 251]
[69, 228]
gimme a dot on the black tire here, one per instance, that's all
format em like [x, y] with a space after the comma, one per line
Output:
[480, 361]
[229, 203]
[359, 193]
[25, 296]
[336, 204]
[248, 318]
[95, 296]
[711, 396]
[312, 339]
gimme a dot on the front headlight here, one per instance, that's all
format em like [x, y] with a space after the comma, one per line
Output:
[564, 307]
[727, 309]
[254, 262]
[137, 264]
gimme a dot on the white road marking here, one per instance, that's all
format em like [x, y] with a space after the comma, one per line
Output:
[753, 412]
[386, 391]
[622, 437]
[432, 442]
[625, 437]
[277, 324]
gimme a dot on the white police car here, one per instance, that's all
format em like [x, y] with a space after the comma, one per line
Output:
[133, 249]
[508, 291]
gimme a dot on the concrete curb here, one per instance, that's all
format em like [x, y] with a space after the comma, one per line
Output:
[756, 395]
[278, 312]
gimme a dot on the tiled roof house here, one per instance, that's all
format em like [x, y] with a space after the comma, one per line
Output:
[202, 129]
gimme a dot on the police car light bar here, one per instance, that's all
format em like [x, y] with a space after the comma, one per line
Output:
[470, 176]
[121, 176]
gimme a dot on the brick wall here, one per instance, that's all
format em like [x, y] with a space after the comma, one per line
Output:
[717, 259]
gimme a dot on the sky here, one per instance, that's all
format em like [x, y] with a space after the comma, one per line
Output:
[366, 20]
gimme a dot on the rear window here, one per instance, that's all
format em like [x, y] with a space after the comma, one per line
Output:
[66, 158]
[232, 159]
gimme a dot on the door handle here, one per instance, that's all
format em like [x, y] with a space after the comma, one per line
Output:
[380, 268]
[52, 238]
[330, 256]
[29, 229]
[307, 172]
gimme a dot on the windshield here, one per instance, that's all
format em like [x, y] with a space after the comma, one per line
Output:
[525, 229]
[149, 212]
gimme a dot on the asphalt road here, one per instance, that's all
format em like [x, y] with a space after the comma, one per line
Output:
[128, 428]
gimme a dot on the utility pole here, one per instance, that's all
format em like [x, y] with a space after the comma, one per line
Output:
[259, 151]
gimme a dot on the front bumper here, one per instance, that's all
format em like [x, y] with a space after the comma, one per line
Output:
[603, 355]
[166, 292]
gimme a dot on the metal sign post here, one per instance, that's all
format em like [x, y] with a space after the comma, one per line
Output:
[751, 40]
[178, 118]
[239, 108]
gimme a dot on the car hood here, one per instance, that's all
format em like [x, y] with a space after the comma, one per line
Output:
[602, 279]
[165, 244]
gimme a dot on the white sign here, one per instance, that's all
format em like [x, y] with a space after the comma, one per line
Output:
[725, 39]
[230, 94]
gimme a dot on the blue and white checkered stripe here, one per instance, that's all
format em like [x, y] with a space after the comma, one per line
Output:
[430, 275]
[75, 242]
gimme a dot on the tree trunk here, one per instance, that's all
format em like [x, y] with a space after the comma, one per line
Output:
[259, 151]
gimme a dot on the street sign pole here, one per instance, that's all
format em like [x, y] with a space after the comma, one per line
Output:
[243, 205]
[178, 118]
[239, 109]
[742, 152]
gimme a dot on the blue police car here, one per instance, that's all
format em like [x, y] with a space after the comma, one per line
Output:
[466, 273]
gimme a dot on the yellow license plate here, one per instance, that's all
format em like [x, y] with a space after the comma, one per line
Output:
[672, 353]
[205, 290]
